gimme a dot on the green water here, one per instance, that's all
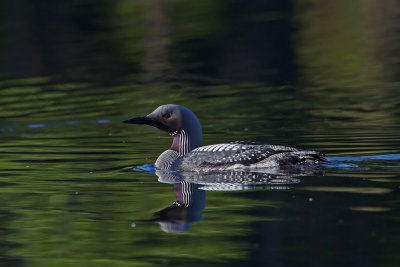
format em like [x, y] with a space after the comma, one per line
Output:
[309, 76]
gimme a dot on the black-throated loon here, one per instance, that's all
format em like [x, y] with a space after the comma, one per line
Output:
[187, 154]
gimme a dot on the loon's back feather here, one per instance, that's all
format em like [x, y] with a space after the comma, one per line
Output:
[239, 155]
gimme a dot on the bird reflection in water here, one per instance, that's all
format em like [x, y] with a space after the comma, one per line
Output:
[190, 202]
[191, 187]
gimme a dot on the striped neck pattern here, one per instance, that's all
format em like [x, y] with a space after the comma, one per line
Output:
[184, 143]
[181, 143]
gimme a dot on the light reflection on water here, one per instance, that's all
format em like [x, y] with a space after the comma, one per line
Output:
[81, 168]
[188, 186]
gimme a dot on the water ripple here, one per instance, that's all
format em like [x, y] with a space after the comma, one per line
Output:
[365, 158]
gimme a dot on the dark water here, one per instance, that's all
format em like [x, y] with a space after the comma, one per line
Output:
[76, 184]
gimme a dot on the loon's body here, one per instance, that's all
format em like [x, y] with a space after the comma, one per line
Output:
[187, 154]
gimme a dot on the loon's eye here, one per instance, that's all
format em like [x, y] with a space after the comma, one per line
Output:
[166, 115]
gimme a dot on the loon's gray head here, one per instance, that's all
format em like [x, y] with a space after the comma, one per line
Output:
[179, 122]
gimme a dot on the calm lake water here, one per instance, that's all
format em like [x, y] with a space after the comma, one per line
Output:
[78, 188]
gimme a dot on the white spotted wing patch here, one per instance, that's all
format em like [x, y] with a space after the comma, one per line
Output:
[219, 147]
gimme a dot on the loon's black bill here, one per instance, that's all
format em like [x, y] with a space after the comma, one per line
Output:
[139, 120]
[148, 121]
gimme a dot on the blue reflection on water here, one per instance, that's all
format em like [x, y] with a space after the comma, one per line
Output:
[363, 158]
[41, 125]
[343, 162]
[150, 168]
[36, 125]
[72, 122]
[103, 121]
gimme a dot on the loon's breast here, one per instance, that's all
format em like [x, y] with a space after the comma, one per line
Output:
[244, 155]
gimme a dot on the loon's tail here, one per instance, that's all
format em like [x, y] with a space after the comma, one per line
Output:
[302, 157]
